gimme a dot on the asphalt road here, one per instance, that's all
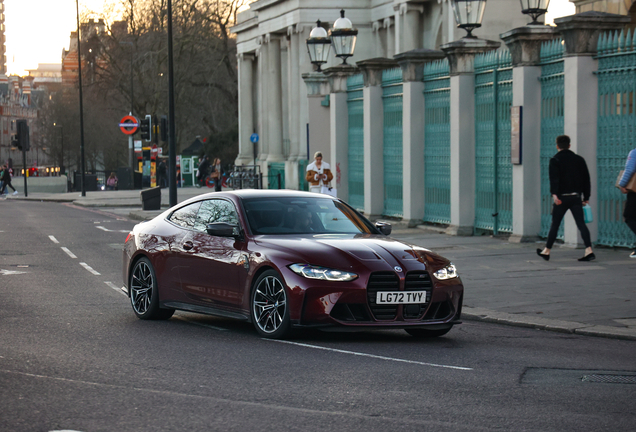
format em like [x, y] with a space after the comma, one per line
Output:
[74, 357]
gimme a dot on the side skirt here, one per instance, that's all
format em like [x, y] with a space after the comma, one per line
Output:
[206, 310]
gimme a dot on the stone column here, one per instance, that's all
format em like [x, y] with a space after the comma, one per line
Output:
[274, 102]
[410, 29]
[246, 109]
[304, 67]
[524, 44]
[377, 39]
[390, 38]
[373, 134]
[461, 56]
[413, 145]
[263, 85]
[319, 122]
[580, 33]
[339, 122]
[291, 166]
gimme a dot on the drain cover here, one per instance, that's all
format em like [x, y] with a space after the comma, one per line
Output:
[611, 379]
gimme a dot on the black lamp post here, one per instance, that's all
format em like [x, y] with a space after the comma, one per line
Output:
[81, 102]
[469, 14]
[534, 8]
[343, 37]
[62, 167]
[318, 46]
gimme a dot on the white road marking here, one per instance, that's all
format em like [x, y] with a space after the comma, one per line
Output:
[53, 239]
[11, 272]
[116, 288]
[68, 252]
[89, 268]
[371, 355]
[103, 228]
[199, 324]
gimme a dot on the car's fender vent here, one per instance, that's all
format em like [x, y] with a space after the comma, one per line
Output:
[383, 281]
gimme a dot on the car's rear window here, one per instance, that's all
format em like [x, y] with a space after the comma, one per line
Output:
[303, 216]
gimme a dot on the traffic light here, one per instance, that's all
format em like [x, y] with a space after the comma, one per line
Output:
[164, 128]
[22, 135]
[146, 128]
[155, 129]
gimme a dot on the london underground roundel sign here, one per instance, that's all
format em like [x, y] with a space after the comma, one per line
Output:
[129, 125]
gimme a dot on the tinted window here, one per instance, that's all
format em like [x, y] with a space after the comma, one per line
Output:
[186, 216]
[215, 210]
[303, 216]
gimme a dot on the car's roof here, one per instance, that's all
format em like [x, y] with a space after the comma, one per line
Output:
[268, 193]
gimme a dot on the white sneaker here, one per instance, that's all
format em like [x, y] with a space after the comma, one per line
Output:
[633, 254]
[15, 192]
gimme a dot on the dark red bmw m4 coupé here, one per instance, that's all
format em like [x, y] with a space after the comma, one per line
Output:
[284, 260]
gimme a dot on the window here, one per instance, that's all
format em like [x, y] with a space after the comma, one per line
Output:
[215, 210]
[186, 216]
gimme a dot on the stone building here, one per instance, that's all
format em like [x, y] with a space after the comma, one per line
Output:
[273, 99]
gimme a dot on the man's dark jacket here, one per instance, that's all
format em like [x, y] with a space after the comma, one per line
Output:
[569, 174]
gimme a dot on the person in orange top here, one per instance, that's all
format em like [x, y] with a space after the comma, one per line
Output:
[318, 173]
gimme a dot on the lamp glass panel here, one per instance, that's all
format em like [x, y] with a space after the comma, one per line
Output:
[469, 11]
[344, 45]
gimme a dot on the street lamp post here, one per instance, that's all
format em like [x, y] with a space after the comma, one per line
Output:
[81, 102]
[534, 8]
[468, 14]
[131, 150]
[318, 46]
[172, 145]
[343, 37]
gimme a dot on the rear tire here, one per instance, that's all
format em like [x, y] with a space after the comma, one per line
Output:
[144, 294]
[424, 333]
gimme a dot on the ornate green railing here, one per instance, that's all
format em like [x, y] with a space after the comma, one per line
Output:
[493, 168]
[303, 185]
[616, 131]
[392, 104]
[437, 142]
[551, 122]
[355, 109]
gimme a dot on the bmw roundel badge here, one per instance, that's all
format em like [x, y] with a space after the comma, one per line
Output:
[397, 269]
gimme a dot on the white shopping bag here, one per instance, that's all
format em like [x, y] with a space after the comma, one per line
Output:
[329, 191]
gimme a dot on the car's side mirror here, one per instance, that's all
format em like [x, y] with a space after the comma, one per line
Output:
[383, 227]
[223, 229]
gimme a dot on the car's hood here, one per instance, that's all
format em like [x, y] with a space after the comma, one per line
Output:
[346, 251]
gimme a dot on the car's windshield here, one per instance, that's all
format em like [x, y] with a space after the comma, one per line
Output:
[303, 216]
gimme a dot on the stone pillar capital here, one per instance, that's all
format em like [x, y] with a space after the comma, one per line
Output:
[317, 84]
[372, 70]
[581, 31]
[404, 8]
[272, 37]
[246, 56]
[461, 53]
[337, 77]
[388, 22]
[524, 43]
[413, 62]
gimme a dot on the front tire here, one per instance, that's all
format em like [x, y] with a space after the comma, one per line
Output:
[424, 333]
[144, 294]
[269, 306]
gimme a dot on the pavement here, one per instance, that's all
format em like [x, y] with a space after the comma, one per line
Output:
[505, 283]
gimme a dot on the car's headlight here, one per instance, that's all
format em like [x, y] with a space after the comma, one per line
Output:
[448, 272]
[322, 273]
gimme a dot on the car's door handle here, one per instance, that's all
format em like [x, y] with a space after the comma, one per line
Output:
[187, 245]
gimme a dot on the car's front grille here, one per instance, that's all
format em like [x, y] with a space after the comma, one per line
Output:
[382, 281]
[417, 281]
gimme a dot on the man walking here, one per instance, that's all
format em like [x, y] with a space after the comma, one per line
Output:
[569, 179]
[5, 180]
[630, 206]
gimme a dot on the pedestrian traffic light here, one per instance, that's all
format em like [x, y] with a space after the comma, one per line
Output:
[164, 128]
[22, 135]
[146, 128]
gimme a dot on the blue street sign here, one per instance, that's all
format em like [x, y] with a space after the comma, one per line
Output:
[254, 138]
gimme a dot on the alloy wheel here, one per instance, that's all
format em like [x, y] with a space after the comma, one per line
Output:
[269, 304]
[141, 288]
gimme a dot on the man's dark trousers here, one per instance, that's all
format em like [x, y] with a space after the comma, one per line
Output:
[575, 205]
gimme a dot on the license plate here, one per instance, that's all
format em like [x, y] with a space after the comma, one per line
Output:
[400, 297]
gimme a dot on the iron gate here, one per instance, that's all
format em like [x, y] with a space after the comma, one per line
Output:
[355, 151]
[437, 142]
[392, 104]
[552, 122]
[493, 168]
[616, 131]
